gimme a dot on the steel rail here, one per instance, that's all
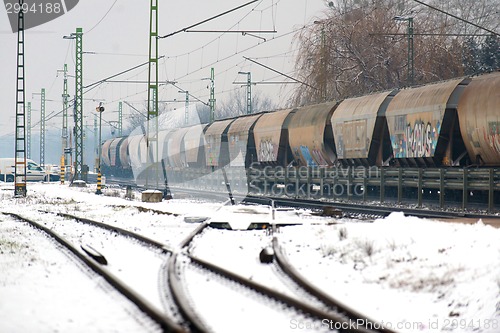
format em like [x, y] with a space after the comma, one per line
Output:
[199, 325]
[167, 324]
[326, 299]
[362, 208]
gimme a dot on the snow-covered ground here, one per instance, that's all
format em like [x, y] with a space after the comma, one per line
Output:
[412, 274]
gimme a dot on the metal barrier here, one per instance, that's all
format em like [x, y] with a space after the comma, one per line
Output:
[354, 183]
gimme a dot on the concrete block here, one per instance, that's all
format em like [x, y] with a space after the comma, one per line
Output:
[152, 196]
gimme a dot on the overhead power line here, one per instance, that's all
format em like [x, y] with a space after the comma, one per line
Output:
[458, 18]
[285, 75]
[115, 75]
[426, 34]
[209, 19]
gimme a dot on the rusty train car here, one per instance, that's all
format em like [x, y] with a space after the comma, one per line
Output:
[451, 123]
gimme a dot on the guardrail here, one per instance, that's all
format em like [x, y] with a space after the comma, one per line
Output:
[481, 185]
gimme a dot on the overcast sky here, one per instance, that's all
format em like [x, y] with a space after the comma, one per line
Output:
[119, 39]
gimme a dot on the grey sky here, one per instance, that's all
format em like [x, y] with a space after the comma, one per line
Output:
[120, 41]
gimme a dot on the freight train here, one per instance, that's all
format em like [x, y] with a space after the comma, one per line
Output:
[445, 124]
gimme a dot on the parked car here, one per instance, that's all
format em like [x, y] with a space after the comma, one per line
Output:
[34, 172]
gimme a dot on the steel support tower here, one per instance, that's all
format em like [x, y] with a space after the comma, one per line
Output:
[28, 131]
[411, 58]
[96, 145]
[249, 92]
[42, 127]
[78, 105]
[20, 147]
[152, 127]
[64, 132]
[120, 118]
[211, 101]
[186, 111]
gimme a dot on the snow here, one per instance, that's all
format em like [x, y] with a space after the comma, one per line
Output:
[414, 274]
[44, 290]
[406, 271]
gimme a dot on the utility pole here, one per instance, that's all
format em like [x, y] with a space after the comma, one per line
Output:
[152, 128]
[42, 127]
[28, 132]
[411, 68]
[64, 132]
[120, 118]
[211, 101]
[323, 64]
[249, 91]
[323, 74]
[96, 144]
[79, 105]
[411, 58]
[212, 95]
[20, 149]
[186, 105]
[99, 109]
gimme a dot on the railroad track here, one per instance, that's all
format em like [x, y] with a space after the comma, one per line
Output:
[178, 260]
[351, 314]
[362, 210]
[96, 262]
[335, 313]
[349, 209]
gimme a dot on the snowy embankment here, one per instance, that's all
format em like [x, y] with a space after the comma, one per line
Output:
[413, 274]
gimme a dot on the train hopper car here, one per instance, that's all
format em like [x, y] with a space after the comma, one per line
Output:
[271, 138]
[194, 146]
[216, 146]
[176, 154]
[123, 154]
[310, 135]
[105, 152]
[163, 145]
[137, 150]
[360, 130]
[479, 114]
[423, 124]
[241, 141]
[114, 160]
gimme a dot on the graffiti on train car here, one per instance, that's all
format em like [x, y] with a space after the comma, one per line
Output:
[493, 136]
[211, 151]
[314, 157]
[415, 137]
[268, 150]
[306, 156]
[351, 141]
[318, 157]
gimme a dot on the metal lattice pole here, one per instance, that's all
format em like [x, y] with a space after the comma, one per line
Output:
[96, 144]
[28, 132]
[42, 127]
[152, 128]
[79, 105]
[120, 118]
[212, 95]
[186, 111]
[20, 149]
[411, 68]
[64, 132]
[249, 92]
[411, 71]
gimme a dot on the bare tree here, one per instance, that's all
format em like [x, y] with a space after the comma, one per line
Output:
[167, 119]
[360, 48]
[237, 104]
